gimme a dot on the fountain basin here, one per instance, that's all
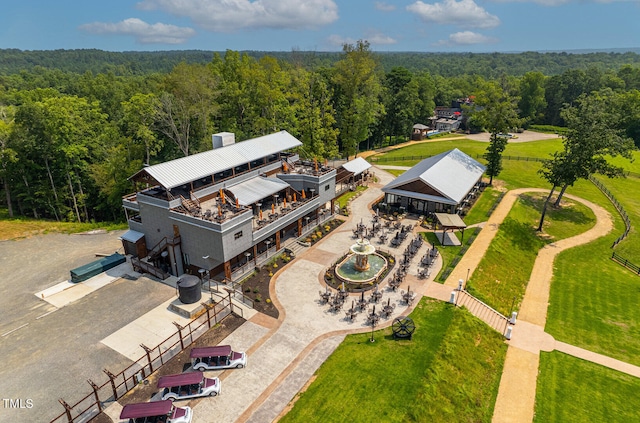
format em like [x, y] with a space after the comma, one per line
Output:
[348, 270]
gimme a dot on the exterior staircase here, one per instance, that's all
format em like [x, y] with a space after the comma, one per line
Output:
[482, 311]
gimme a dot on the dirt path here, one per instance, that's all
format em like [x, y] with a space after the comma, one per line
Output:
[516, 395]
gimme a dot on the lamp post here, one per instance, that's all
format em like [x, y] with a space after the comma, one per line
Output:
[268, 242]
[373, 323]
[307, 219]
[248, 256]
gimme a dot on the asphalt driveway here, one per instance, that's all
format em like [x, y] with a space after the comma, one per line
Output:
[49, 353]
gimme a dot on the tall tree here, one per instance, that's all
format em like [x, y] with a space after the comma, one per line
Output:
[532, 101]
[496, 111]
[314, 114]
[8, 155]
[187, 105]
[139, 120]
[595, 133]
[358, 97]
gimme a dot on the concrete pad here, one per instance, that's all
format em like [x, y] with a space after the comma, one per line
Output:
[69, 295]
[67, 292]
[150, 329]
[448, 239]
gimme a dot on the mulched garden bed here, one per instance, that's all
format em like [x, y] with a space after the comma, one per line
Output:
[256, 287]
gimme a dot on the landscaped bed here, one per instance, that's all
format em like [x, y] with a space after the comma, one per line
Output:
[256, 286]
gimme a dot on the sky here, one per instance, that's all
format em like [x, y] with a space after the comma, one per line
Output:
[321, 25]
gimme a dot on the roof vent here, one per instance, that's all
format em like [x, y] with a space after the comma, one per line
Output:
[223, 139]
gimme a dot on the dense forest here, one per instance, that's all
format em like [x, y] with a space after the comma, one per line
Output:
[75, 124]
[487, 65]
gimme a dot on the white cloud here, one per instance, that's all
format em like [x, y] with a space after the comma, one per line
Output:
[338, 40]
[464, 13]
[466, 38]
[231, 15]
[384, 7]
[378, 38]
[143, 32]
[561, 2]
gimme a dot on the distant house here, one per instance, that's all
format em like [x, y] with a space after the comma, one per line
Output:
[446, 183]
[447, 125]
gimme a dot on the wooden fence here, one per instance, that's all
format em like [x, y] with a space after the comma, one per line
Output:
[120, 383]
[626, 263]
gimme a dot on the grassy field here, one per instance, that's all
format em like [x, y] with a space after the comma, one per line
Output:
[479, 211]
[449, 371]
[593, 301]
[573, 390]
[538, 149]
[17, 228]
[344, 198]
[503, 273]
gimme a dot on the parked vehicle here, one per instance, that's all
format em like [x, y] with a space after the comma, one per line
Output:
[188, 385]
[217, 358]
[156, 412]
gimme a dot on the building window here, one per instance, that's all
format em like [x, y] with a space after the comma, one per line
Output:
[237, 235]
[326, 187]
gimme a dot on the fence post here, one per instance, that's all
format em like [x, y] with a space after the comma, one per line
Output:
[179, 334]
[67, 410]
[148, 351]
[113, 384]
[95, 392]
[208, 307]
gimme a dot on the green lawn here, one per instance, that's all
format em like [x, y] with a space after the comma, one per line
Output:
[479, 211]
[16, 228]
[449, 371]
[574, 390]
[344, 198]
[504, 271]
[593, 301]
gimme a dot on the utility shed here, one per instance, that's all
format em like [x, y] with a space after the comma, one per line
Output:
[94, 268]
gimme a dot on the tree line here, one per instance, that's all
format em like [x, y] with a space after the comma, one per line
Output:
[69, 141]
[487, 65]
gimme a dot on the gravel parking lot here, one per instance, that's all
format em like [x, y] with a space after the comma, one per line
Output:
[49, 353]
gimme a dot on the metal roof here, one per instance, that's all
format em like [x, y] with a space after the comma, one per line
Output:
[420, 126]
[132, 236]
[255, 189]
[182, 379]
[181, 171]
[146, 409]
[450, 220]
[357, 165]
[219, 351]
[453, 174]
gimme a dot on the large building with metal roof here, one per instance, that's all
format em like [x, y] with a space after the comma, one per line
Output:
[222, 210]
[445, 183]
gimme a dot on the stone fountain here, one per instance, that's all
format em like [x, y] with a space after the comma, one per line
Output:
[362, 266]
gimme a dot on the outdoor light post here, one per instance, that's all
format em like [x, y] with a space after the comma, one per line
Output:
[307, 219]
[373, 325]
[268, 242]
[248, 256]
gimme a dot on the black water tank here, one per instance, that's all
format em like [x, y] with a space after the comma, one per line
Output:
[189, 289]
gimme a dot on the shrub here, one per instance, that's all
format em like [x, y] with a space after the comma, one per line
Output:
[268, 301]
